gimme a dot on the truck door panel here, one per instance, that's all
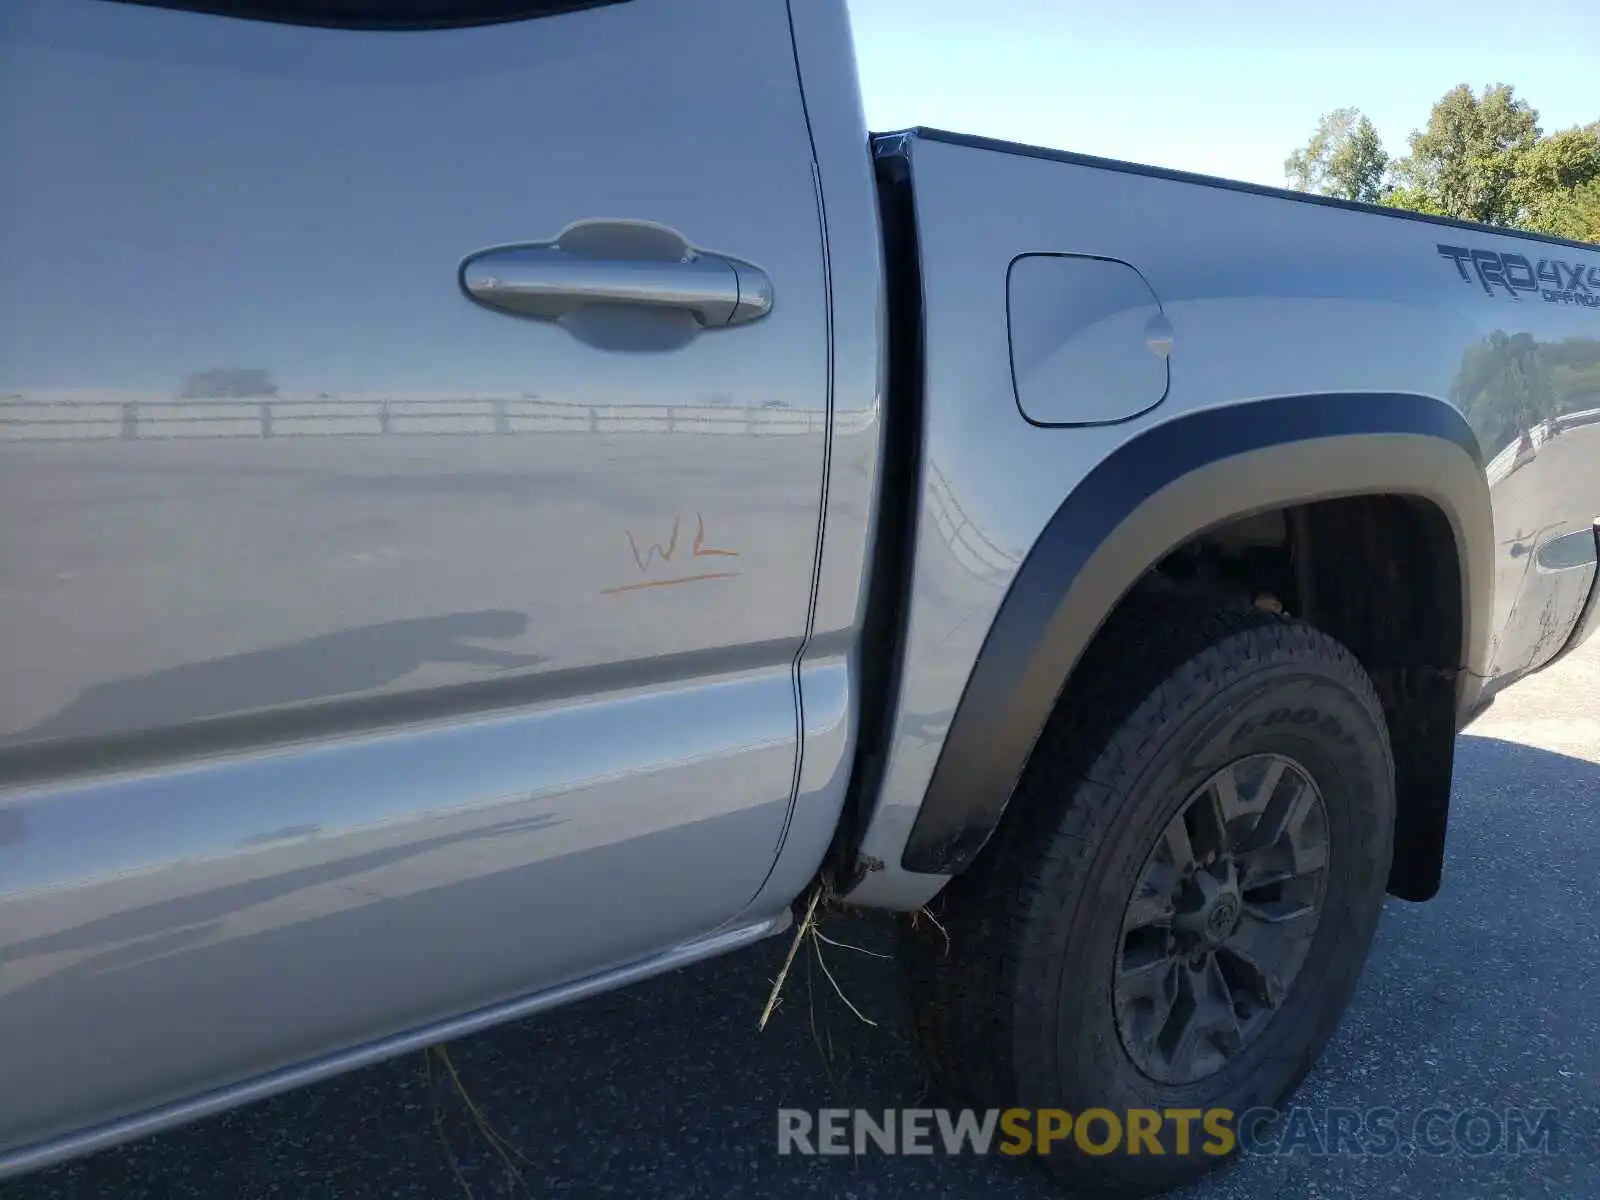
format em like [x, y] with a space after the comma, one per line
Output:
[371, 654]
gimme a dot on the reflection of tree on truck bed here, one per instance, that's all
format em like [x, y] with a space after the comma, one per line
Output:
[1510, 383]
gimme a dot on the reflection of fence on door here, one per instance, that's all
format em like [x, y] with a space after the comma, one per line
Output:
[29, 419]
[969, 544]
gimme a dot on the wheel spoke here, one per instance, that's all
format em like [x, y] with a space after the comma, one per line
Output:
[1309, 854]
[1268, 785]
[1226, 787]
[1207, 824]
[1179, 1034]
[1150, 906]
[1251, 795]
[1282, 809]
[1148, 977]
[1144, 997]
[1289, 841]
[1308, 837]
[1203, 1026]
[1271, 865]
[1221, 1021]
[1180, 852]
[1267, 947]
[1254, 975]
[1279, 912]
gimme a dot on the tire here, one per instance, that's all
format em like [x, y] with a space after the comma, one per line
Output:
[1027, 992]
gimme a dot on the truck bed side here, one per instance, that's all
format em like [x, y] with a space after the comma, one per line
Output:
[1315, 350]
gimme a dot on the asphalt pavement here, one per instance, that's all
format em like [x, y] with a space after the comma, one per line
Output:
[1485, 1000]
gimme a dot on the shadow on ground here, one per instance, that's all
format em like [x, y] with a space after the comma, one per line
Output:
[1483, 998]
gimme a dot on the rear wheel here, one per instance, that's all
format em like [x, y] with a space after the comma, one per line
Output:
[1179, 904]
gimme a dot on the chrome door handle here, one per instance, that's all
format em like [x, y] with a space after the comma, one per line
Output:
[547, 282]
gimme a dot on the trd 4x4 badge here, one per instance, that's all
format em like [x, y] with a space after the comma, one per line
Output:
[1554, 280]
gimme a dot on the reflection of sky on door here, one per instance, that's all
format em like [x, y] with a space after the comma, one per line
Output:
[1222, 88]
[300, 201]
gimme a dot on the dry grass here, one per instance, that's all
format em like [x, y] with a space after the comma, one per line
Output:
[809, 939]
[508, 1154]
[822, 900]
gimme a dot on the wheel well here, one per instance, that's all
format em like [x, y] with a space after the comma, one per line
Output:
[1381, 574]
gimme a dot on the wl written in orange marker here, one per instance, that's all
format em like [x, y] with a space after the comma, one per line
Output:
[655, 553]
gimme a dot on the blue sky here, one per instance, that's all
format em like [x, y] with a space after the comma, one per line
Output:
[1227, 87]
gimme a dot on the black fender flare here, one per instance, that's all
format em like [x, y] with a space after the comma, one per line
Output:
[1145, 499]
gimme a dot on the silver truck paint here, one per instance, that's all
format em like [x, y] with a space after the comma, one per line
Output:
[378, 666]
[1265, 298]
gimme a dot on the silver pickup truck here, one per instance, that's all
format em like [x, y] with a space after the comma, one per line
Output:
[504, 498]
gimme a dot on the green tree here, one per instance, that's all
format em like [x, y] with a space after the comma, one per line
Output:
[1579, 217]
[1344, 158]
[1412, 199]
[1466, 162]
[1557, 186]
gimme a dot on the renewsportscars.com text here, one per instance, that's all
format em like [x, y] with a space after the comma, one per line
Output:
[1475, 1131]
